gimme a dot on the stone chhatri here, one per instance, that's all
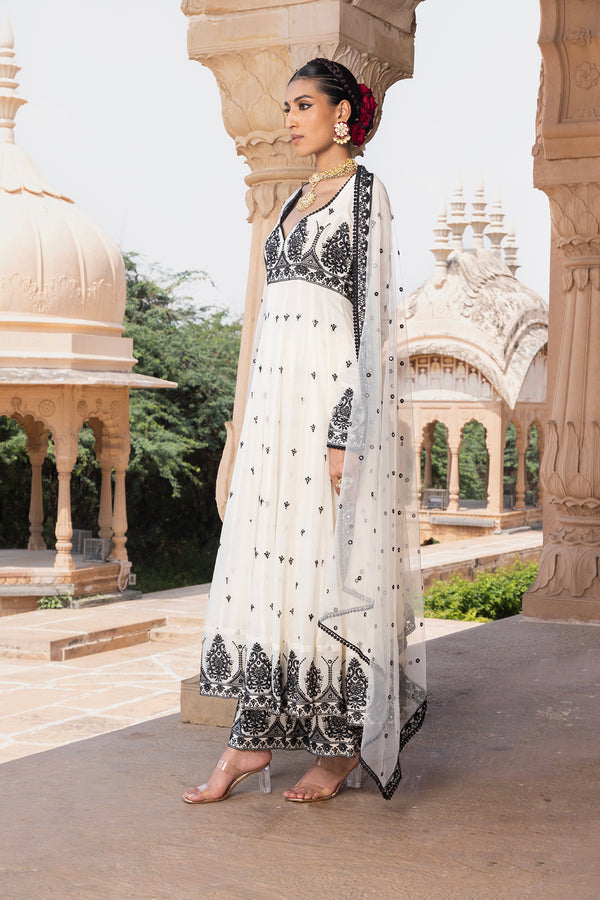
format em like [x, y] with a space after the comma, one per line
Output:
[63, 360]
[62, 278]
[477, 342]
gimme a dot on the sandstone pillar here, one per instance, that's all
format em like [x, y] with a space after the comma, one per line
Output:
[37, 449]
[495, 438]
[119, 519]
[454, 481]
[540, 487]
[65, 450]
[567, 169]
[253, 47]
[105, 512]
[428, 442]
[521, 485]
[418, 472]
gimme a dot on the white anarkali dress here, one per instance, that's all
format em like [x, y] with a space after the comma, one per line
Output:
[272, 637]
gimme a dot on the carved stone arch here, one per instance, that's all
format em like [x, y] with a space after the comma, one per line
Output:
[106, 432]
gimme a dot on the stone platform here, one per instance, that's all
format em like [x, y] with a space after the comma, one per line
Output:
[27, 575]
[500, 797]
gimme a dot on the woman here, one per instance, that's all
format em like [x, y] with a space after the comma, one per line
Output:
[314, 622]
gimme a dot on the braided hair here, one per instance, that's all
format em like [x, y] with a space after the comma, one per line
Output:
[335, 81]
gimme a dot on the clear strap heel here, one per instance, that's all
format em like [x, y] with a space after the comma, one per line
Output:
[354, 779]
[264, 780]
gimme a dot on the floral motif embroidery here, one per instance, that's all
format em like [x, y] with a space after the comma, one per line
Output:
[339, 424]
[336, 250]
[258, 671]
[218, 661]
[296, 242]
[356, 684]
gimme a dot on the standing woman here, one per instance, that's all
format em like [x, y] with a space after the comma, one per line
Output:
[315, 617]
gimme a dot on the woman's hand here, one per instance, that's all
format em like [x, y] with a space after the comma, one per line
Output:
[336, 467]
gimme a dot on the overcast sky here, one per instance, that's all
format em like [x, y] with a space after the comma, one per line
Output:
[123, 123]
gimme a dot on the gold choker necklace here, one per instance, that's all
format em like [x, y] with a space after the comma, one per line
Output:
[348, 167]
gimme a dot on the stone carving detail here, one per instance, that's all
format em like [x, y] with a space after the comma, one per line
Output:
[580, 36]
[575, 212]
[587, 112]
[569, 564]
[541, 98]
[46, 408]
[587, 75]
[252, 87]
[446, 373]
[570, 469]
[16, 403]
[82, 409]
[19, 292]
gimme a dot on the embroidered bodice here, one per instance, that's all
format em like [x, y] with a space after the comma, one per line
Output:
[318, 249]
[329, 248]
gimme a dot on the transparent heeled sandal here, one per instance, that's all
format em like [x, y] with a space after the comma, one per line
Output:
[352, 780]
[264, 781]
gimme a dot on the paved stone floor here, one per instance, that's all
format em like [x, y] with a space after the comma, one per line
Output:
[500, 796]
[46, 704]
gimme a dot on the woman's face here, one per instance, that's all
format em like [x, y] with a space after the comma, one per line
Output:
[310, 117]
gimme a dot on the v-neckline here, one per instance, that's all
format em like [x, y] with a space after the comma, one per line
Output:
[293, 202]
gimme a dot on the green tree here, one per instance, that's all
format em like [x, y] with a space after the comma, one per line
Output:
[510, 459]
[178, 434]
[473, 462]
[532, 459]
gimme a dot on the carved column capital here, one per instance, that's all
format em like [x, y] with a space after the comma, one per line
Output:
[575, 211]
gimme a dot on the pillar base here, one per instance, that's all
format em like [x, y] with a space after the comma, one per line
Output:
[199, 710]
[576, 610]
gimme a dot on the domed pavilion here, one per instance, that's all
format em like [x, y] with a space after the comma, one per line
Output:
[63, 363]
[477, 341]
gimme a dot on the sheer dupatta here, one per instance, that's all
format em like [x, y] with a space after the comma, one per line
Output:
[374, 595]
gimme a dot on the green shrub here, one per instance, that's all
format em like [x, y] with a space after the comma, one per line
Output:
[55, 601]
[492, 595]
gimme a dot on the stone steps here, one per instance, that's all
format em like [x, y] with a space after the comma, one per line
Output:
[62, 634]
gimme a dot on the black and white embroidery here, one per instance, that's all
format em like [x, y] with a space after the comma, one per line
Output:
[311, 253]
[296, 242]
[289, 685]
[363, 199]
[258, 671]
[336, 250]
[356, 684]
[219, 663]
[339, 424]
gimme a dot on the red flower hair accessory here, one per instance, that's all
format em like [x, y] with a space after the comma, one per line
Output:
[359, 130]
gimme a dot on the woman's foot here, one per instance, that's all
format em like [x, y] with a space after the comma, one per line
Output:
[323, 780]
[237, 762]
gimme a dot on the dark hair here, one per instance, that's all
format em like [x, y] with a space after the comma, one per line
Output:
[335, 81]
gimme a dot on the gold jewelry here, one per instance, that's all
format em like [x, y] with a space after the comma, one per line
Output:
[338, 482]
[348, 167]
[341, 133]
